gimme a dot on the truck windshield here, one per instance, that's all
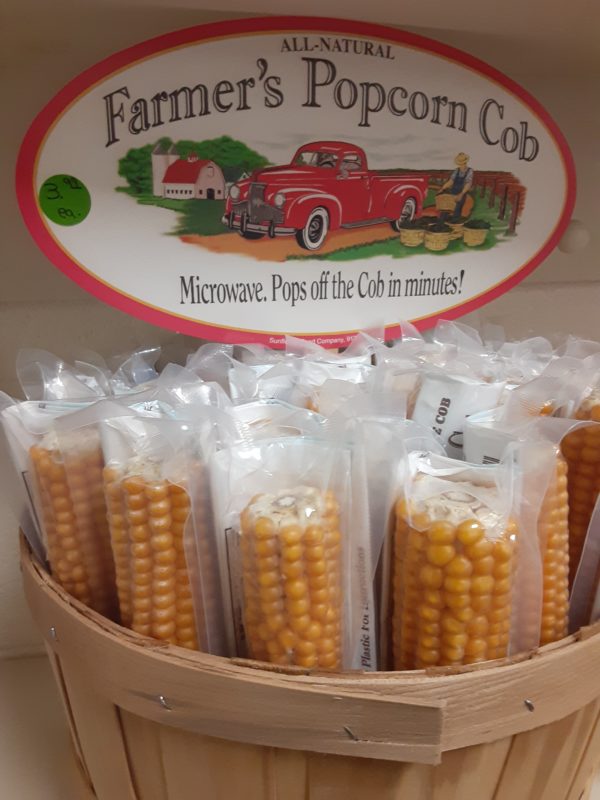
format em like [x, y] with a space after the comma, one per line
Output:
[315, 158]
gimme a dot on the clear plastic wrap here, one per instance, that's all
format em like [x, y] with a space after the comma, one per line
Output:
[293, 543]
[466, 570]
[212, 363]
[265, 419]
[277, 381]
[160, 517]
[381, 445]
[446, 400]
[134, 369]
[65, 490]
[45, 377]
[581, 449]
[487, 437]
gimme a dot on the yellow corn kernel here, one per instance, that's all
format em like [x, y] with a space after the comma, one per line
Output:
[448, 594]
[291, 570]
[73, 512]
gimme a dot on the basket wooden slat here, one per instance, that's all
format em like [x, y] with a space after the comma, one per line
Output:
[228, 729]
[142, 743]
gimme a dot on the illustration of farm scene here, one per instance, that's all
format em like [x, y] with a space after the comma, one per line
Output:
[326, 203]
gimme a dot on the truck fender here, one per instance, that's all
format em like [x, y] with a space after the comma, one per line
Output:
[300, 208]
[396, 197]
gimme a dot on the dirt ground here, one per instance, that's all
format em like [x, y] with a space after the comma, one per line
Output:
[282, 248]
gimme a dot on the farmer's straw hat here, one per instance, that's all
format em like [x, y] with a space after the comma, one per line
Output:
[461, 159]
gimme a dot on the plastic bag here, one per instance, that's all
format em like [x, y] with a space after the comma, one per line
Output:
[175, 387]
[160, 518]
[358, 352]
[44, 376]
[319, 383]
[467, 574]
[134, 369]
[66, 499]
[486, 442]
[445, 401]
[381, 445]
[265, 419]
[17, 493]
[265, 382]
[212, 363]
[290, 541]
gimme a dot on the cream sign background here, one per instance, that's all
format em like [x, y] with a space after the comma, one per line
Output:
[169, 248]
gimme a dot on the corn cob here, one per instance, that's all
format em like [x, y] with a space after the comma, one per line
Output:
[452, 589]
[147, 518]
[581, 448]
[119, 542]
[553, 530]
[74, 521]
[291, 563]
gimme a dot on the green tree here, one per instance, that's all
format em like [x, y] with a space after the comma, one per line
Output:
[136, 168]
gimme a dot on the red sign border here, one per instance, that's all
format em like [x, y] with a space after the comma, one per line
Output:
[42, 124]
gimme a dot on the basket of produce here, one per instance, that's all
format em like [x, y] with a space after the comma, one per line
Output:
[143, 717]
[446, 202]
[242, 598]
[412, 232]
[475, 232]
[457, 228]
[437, 236]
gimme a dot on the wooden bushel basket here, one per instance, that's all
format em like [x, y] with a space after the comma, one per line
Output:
[445, 202]
[436, 241]
[457, 230]
[411, 237]
[473, 237]
[154, 722]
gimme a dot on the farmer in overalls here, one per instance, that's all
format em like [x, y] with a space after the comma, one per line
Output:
[458, 184]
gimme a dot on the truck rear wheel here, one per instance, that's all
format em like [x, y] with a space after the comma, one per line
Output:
[407, 213]
[313, 234]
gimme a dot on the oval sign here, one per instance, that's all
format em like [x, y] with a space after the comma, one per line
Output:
[242, 180]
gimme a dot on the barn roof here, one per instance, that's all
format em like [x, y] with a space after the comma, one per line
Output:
[184, 171]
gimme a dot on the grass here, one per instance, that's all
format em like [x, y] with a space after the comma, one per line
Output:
[194, 217]
[392, 247]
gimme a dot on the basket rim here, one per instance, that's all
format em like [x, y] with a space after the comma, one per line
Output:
[400, 716]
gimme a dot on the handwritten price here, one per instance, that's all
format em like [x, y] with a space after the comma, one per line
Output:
[73, 196]
[52, 192]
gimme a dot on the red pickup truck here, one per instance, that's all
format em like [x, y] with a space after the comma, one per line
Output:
[327, 186]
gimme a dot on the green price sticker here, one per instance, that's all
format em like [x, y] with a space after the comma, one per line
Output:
[65, 200]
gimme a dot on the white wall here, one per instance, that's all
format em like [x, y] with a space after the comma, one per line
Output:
[548, 49]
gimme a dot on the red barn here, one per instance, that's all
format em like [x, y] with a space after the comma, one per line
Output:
[193, 177]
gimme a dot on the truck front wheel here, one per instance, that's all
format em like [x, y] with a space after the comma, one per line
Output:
[313, 234]
[407, 213]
